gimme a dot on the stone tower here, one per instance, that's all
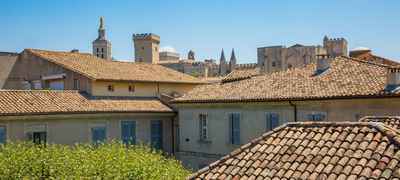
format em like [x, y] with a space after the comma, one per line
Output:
[101, 46]
[335, 46]
[232, 61]
[222, 64]
[147, 48]
[191, 55]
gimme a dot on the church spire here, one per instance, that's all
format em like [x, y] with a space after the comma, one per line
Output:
[232, 61]
[101, 23]
[233, 57]
[102, 31]
[222, 58]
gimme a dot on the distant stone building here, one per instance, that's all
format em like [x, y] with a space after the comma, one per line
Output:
[101, 46]
[168, 56]
[277, 58]
[147, 48]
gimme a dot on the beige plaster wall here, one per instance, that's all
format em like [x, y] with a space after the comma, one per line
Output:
[253, 122]
[73, 129]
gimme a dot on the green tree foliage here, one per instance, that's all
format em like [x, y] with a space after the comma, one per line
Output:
[105, 161]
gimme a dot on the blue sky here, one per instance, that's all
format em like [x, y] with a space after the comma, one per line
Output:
[205, 26]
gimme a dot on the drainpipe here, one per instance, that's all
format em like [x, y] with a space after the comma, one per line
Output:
[295, 110]
[173, 135]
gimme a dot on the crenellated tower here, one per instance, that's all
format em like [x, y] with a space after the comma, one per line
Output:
[335, 46]
[147, 48]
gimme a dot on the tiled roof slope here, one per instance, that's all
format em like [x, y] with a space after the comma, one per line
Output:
[314, 150]
[377, 59]
[100, 69]
[346, 78]
[392, 121]
[26, 102]
[240, 74]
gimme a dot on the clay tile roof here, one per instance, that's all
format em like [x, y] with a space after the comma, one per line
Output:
[100, 69]
[392, 121]
[275, 155]
[346, 78]
[241, 74]
[32, 102]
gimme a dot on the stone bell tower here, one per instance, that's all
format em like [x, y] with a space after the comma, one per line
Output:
[101, 46]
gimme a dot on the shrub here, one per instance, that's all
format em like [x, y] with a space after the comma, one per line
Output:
[23, 160]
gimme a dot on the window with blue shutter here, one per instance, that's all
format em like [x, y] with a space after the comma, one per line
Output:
[203, 133]
[272, 121]
[156, 134]
[234, 134]
[99, 134]
[316, 117]
[128, 132]
[3, 135]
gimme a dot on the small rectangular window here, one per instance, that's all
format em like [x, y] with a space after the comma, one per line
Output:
[3, 134]
[272, 121]
[203, 131]
[156, 134]
[131, 88]
[128, 132]
[316, 117]
[99, 134]
[110, 88]
[234, 121]
[76, 84]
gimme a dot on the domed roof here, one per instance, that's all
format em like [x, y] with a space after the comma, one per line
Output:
[168, 49]
[361, 49]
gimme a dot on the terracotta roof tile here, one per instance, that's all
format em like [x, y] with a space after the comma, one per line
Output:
[30, 102]
[100, 69]
[393, 121]
[347, 162]
[241, 74]
[346, 78]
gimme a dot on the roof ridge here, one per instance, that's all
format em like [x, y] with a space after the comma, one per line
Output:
[393, 134]
[364, 61]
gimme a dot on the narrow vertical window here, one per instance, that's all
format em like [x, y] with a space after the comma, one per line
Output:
[203, 131]
[99, 134]
[3, 134]
[156, 134]
[102, 50]
[234, 121]
[97, 49]
[128, 132]
[272, 121]
[76, 84]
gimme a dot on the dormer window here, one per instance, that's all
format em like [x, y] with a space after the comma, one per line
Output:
[111, 88]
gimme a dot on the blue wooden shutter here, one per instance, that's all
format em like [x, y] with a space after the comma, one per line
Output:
[156, 134]
[235, 128]
[98, 134]
[128, 132]
[3, 135]
[268, 121]
[274, 120]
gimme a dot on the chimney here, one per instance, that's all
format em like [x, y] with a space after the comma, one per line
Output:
[323, 63]
[75, 51]
[393, 79]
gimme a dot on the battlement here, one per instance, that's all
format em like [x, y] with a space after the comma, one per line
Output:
[146, 36]
[246, 66]
[337, 40]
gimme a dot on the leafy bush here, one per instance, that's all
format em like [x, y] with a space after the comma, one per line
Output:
[107, 161]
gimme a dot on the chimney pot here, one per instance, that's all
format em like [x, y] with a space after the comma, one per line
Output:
[393, 79]
[323, 63]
